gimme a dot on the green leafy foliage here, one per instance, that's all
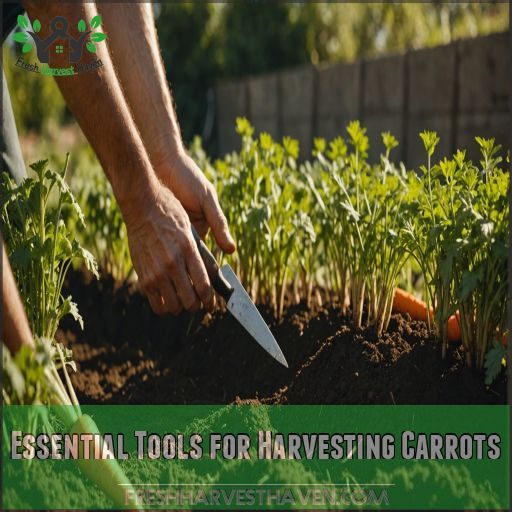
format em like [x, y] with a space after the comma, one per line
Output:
[106, 234]
[37, 215]
[266, 206]
[23, 378]
[82, 26]
[353, 228]
[335, 220]
[204, 42]
[39, 376]
[361, 221]
[36, 26]
[457, 230]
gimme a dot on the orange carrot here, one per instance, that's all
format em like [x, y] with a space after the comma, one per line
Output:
[454, 328]
[405, 302]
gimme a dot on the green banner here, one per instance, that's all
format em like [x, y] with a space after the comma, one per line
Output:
[256, 457]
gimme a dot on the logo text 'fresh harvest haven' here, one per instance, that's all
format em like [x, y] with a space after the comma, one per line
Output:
[59, 52]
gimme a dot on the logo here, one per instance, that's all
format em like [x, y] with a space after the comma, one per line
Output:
[59, 52]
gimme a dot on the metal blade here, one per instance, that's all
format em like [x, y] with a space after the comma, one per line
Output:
[243, 309]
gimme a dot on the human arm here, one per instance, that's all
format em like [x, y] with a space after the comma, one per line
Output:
[133, 43]
[165, 256]
[15, 329]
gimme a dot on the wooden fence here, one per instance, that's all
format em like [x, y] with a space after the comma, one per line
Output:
[460, 90]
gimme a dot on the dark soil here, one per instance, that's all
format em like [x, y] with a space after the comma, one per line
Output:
[126, 354]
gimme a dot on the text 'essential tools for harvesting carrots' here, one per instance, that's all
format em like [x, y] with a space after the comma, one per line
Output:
[238, 302]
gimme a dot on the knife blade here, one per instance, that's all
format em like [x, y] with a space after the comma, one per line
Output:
[238, 303]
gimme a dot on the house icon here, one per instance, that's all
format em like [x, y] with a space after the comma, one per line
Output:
[59, 49]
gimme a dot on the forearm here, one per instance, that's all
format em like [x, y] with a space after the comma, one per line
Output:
[97, 102]
[133, 42]
[15, 328]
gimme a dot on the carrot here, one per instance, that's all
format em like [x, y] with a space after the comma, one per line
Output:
[105, 473]
[405, 302]
[454, 328]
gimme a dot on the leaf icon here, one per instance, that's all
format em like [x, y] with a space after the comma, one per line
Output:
[22, 21]
[96, 21]
[20, 37]
[81, 26]
[98, 37]
[26, 48]
[91, 47]
[36, 25]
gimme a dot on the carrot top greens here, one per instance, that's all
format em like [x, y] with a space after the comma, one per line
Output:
[336, 226]
[341, 224]
[36, 216]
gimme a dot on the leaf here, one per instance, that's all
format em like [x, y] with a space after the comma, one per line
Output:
[70, 307]
[12, 374]
[36, 25]
[91, 47]
[243, 127]
[445, 268]
[81, 26]
[21, 256]
[494, 360]
[389, 141]
[20, 37]
[90, 262]
[430, 141]
[22, 21]
[96, 21]
[468, 283]
[26, 48]
[98, 37]
[76, 315]
[39, 166]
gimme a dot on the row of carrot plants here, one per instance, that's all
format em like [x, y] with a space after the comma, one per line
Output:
[359, 229]
[337, 223]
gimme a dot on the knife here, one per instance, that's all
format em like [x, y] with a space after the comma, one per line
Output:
[238, 302]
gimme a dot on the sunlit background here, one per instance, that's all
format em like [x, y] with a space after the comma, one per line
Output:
[202, 43]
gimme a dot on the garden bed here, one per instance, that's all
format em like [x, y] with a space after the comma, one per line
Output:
[128, 355]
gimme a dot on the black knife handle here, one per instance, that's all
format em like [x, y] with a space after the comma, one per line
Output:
[219, 283]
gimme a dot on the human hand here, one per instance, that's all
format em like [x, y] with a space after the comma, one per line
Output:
[164, 254]
[198, 197]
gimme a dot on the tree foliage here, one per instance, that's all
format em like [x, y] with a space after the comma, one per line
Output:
[203, 42]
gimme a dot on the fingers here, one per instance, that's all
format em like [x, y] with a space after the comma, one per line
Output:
[217, 221]
[170, 296]
[189, 277]
[156, 303]
[180, 283]
[199, 276]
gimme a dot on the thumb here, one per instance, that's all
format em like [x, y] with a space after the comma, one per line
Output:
[217, 221]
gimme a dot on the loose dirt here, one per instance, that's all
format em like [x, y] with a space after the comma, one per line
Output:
[128, 355]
